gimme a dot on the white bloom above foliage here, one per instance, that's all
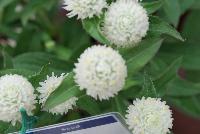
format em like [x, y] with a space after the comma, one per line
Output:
[50, 85]
[101, 71]
[149, 116]
[126, 23]
[16, 92]
[84, 8]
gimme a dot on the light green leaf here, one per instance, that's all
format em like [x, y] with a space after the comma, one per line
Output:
[92, 27]
[172, 10]
[65, 91]
[138, 57]
[152, 7]
[186, 4]
[158, 26]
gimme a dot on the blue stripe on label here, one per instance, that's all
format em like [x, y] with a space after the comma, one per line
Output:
[64, 128]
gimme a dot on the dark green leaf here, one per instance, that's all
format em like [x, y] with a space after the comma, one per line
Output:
[166, 76]
[88, 104]
[35, 61]
[179, 87]
[189, 105]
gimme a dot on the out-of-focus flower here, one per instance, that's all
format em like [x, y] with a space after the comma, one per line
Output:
[84, 8]
[16, 92]
[149, 116]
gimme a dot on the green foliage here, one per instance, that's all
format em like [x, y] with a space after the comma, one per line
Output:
[46, 41]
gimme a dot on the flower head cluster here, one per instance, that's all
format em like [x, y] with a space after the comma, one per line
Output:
[16, 92]
[126, 23]
[84, 8]
[50, 85]
[101, 71]
[149, 116]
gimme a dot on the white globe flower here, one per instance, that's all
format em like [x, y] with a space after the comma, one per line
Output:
[84, 8]
[149, 116]
[16, 92]
[125, 23]
[50, 85]
[101, 71]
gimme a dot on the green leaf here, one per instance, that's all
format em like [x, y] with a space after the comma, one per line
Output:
[23, 72]
[138, 57]
[92, 27]
[39, 76]
[64, 92]
[4, 3]
[158, 26]
[191, 27]
[88, 104]
[148, 88]
[166, 76]
[181, 88]
[186, 4]
[172, 10]
[119, 105]
[45, 118]
[34, 61]
[33, 7]
[152, 7]
[189, 51]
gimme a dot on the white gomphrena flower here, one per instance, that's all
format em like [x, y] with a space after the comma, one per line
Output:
[16, 92]
[101, 71]
[50, 85]
[149, 116]
[126, 23]
[84, 8]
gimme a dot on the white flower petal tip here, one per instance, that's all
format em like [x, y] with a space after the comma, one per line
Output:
[101, 71]
[50, 85]
[16, 92]
[84, 8]
[149, 116]
[126, 23]
[63, 108]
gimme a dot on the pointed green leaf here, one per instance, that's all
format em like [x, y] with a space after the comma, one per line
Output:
[138, 57]
[152, 7]
[158, 26]
[92, 27]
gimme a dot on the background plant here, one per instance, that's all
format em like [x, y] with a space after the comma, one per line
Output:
[36, 39]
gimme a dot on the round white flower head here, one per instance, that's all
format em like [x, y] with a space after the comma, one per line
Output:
[125, 23]
[101, 71]
[84, 8]
[16, 92]
[50, 85]
[149, 116]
